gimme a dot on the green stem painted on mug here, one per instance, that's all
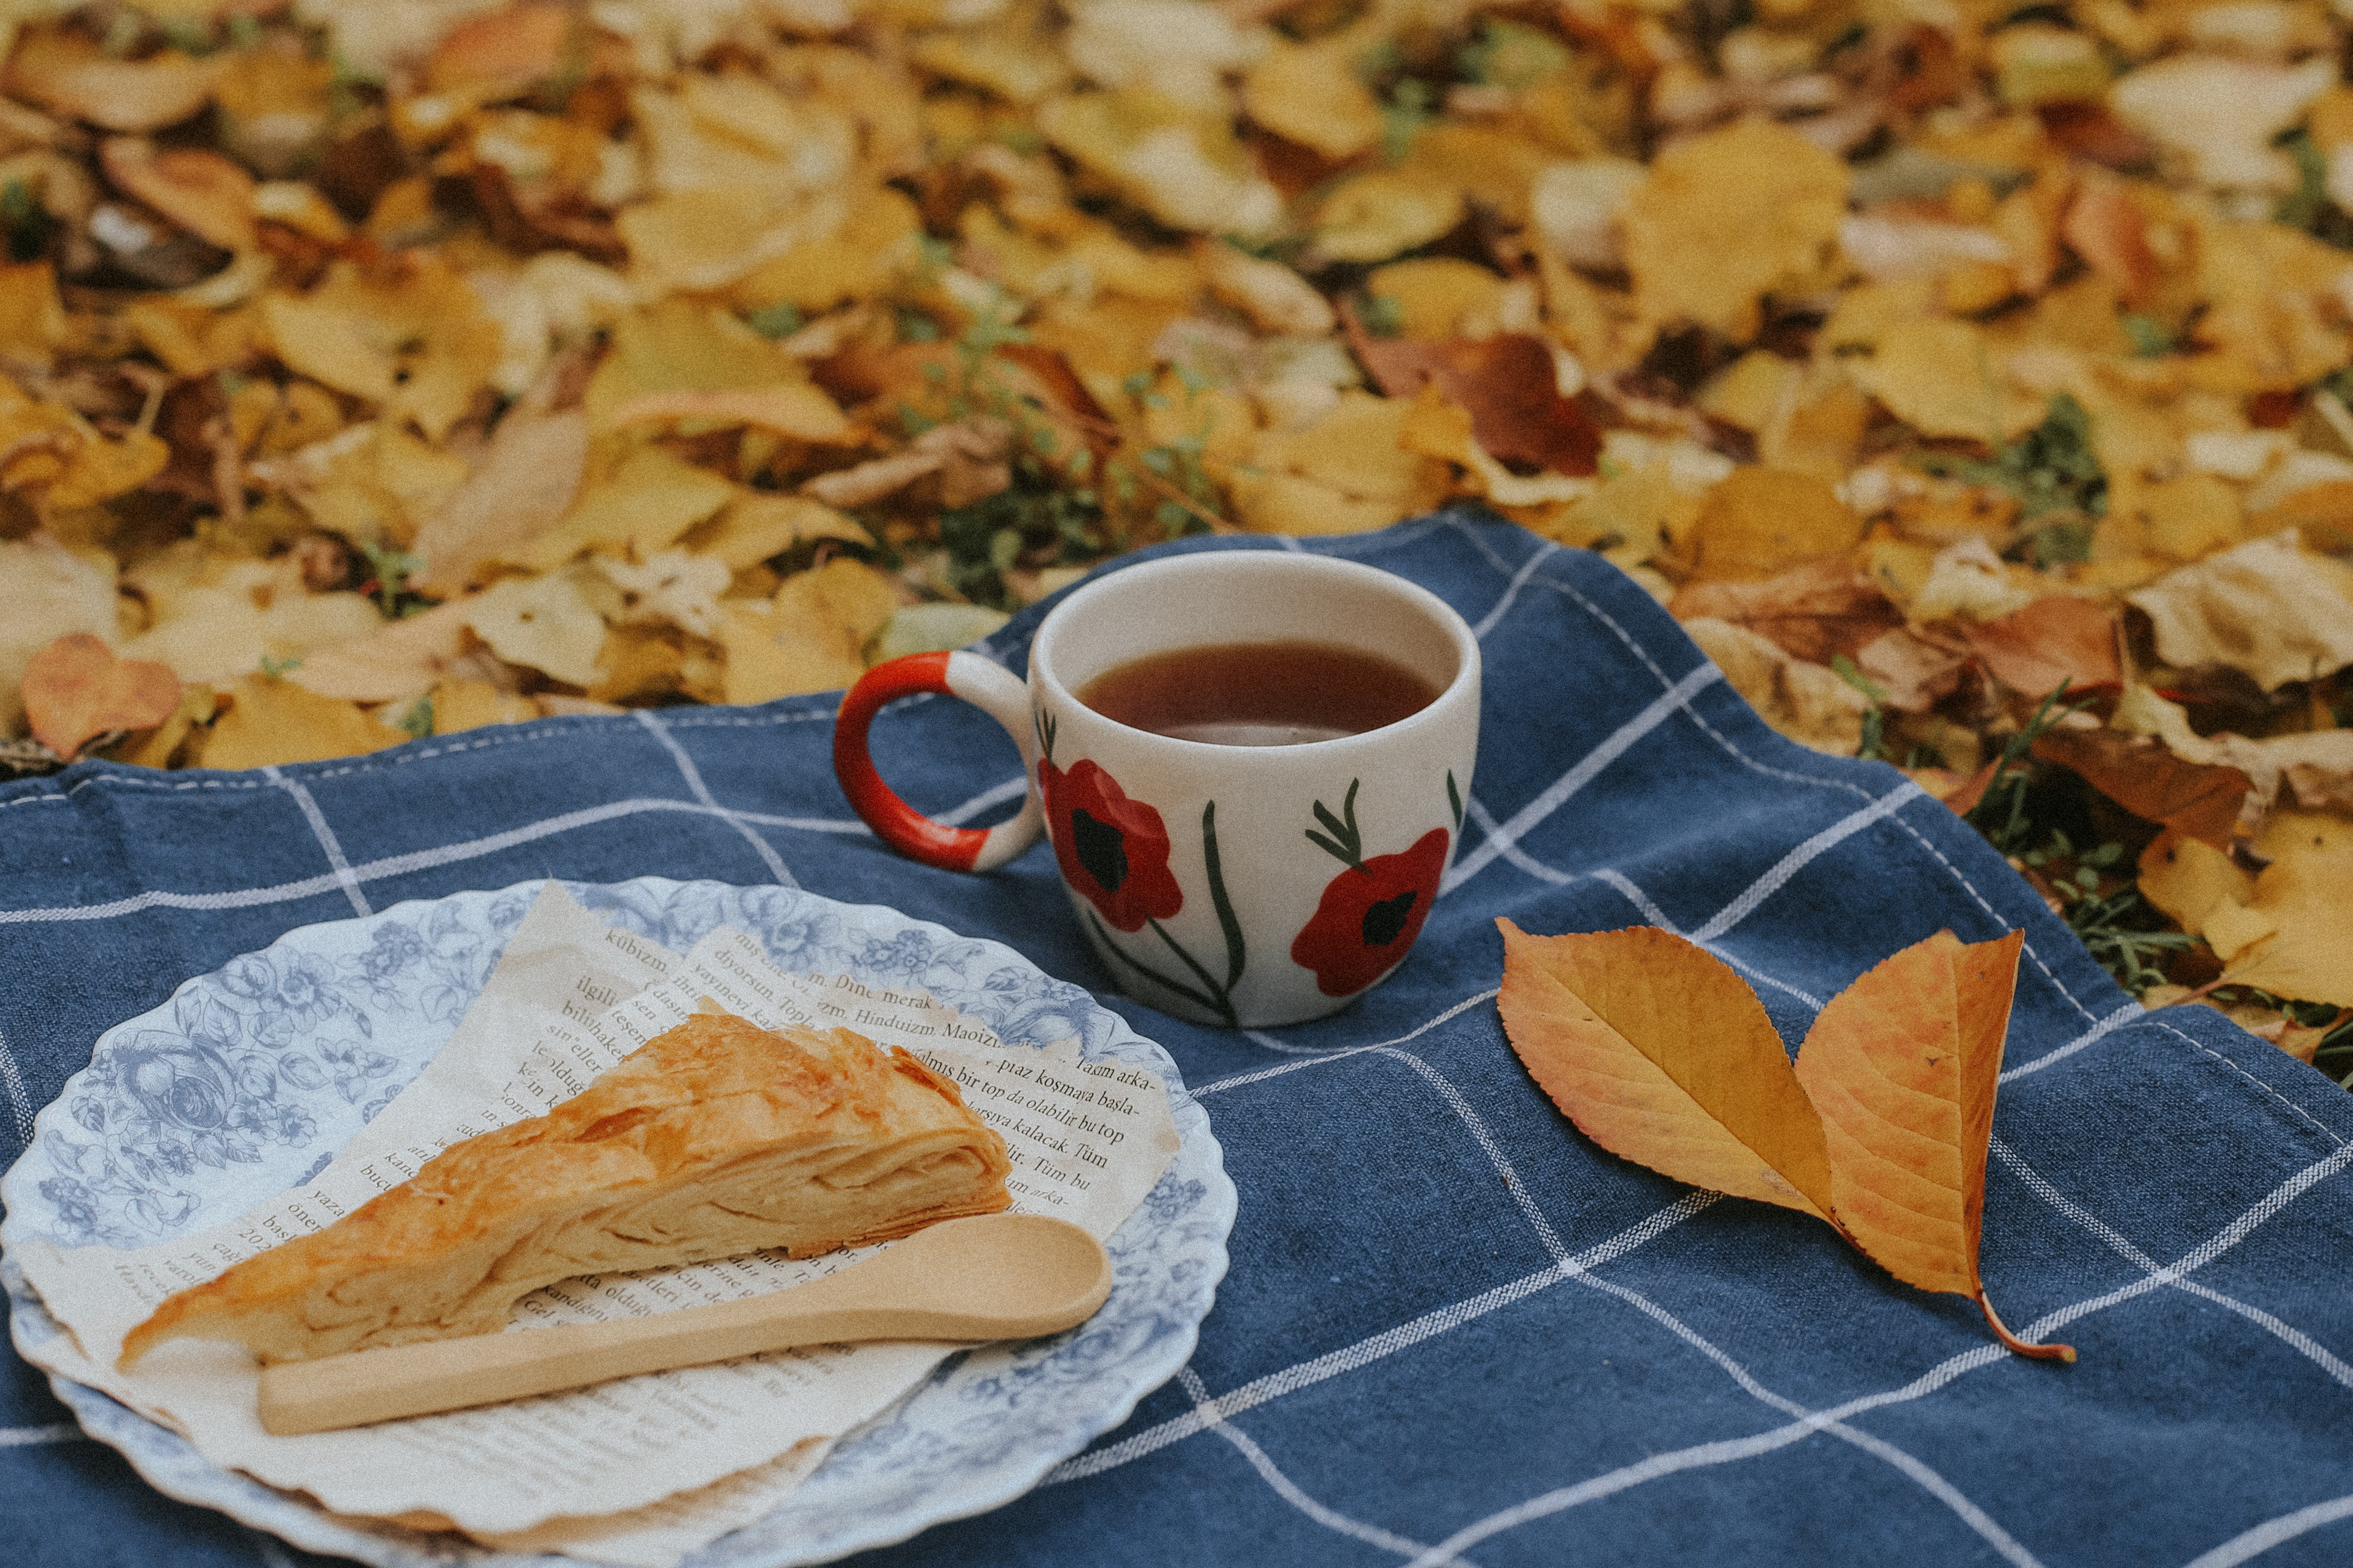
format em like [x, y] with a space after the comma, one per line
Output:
[1215, 998]
[1236, 954]
[1219, 1005]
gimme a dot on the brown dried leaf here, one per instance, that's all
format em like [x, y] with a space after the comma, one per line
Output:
[1814, 611]
[2053, 639]
[2195, 800]
[523, 486]
[1958, 792]
[2108, 228]
[202, 192]
[1915, 673]
[1662, 1055]
[75, 690]
[501, 53]
[1508, 383]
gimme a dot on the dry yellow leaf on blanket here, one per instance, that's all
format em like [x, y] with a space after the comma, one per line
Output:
[1661, 1054]
[1903, 1065]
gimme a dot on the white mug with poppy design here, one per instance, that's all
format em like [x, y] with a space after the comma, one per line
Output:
[1248, 886]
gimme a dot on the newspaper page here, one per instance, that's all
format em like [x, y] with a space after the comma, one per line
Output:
[640, 1470]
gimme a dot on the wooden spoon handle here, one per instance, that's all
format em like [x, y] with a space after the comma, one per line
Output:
[485, 1369]
[985, 1276]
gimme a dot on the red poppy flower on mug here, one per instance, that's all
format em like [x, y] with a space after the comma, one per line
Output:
[1370, 913]
[1112, 849]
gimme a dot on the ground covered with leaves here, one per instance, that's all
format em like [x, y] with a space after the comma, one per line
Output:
[1971, 380]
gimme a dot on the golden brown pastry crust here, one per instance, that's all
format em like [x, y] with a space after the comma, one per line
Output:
[715, 1139]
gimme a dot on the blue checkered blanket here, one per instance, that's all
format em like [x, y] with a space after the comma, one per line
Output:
[1454, 1331]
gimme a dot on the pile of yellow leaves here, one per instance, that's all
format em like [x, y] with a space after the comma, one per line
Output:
[371, 370]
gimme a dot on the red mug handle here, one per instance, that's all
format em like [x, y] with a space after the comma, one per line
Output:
[988, 686]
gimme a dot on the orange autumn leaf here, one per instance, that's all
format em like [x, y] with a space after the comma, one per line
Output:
[1903, 1065]
[71, 74]
[1506, 383]
[1048, 375]
[2197, 800]
[2108, 228]
[202, 192]
[1962, 797]
[1660, 1053]
[1816, 610]
[75, 690]
[505, 49]
[2053, 639]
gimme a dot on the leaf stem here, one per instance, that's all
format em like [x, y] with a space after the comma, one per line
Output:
[2001, 1331]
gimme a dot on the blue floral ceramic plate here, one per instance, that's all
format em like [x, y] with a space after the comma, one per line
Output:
[249, 1079]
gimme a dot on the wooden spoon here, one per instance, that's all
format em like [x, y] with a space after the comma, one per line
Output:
[992, 1276]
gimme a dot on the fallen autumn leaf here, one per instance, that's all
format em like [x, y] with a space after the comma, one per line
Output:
[1660, 1053]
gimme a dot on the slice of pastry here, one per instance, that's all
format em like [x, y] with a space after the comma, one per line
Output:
[714, 1139]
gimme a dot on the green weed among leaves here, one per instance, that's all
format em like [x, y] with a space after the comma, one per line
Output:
[2055, 475]
[2001, 813]
[390, 570]
[2113, 924]
[1874, 745]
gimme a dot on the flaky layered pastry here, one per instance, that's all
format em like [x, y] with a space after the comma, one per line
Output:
[714, 1139]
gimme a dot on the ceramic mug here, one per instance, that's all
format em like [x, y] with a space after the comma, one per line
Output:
[1243, 885]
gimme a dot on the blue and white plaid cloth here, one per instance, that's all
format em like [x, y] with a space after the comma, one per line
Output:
[1454, 1331]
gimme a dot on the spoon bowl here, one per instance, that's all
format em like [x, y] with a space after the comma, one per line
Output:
[990, 1276]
